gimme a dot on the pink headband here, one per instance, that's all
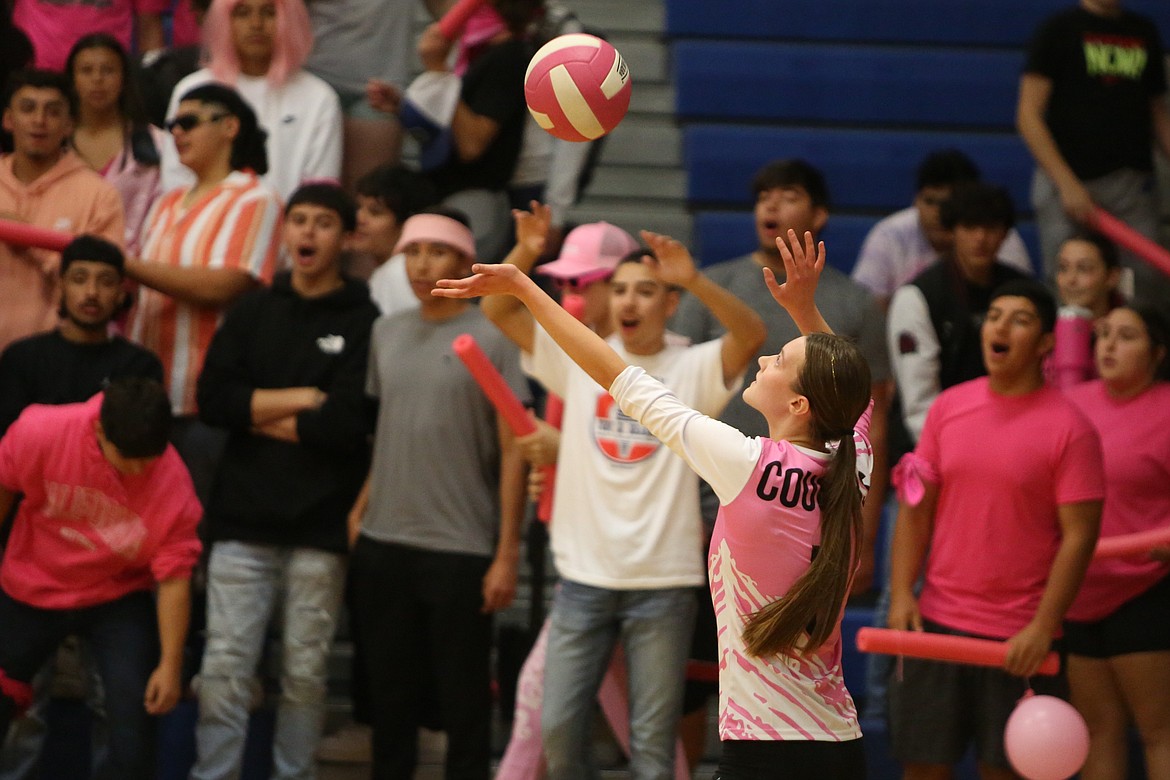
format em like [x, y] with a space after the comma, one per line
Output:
[437, 228]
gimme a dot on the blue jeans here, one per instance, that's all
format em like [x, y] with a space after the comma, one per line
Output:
[21, 756]
[244, 583]
[654, 627]
[123, 635]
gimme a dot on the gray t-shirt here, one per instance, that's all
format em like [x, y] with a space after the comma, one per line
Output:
[435, 476]
[848, 307]
[356, 40]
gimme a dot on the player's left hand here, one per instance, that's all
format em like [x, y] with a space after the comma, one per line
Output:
[802, 269]
[499, 585]
[163, 690]
[1027, 649]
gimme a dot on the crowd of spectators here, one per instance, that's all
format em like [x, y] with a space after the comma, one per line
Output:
[253, 255]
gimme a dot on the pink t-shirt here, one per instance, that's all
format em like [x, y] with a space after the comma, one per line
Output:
[1005, 463]
[1135, 435]
[54, 26]
[86, 534]
[765, 536]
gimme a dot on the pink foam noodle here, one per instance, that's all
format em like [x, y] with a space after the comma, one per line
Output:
[454, 20]
[1139, 543]
[1072, 357]
[943, 647]
[22, 234]
[553, 410]
[493, 385]
[1122, 234]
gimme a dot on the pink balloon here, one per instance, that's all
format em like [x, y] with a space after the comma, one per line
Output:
[1046, 738]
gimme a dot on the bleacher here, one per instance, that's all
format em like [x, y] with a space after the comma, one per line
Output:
[861, 88]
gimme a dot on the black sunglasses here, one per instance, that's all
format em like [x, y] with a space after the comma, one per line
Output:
[188, 122]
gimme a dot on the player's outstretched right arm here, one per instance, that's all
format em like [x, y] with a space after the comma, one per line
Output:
[585, 347]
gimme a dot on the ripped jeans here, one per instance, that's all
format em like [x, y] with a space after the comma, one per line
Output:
[245, 582]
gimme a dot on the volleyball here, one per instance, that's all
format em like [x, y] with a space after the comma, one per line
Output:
[577, 87]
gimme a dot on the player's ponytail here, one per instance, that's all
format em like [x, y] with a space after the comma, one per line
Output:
[835, 379]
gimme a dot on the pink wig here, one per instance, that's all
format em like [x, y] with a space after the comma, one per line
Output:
[291, 46]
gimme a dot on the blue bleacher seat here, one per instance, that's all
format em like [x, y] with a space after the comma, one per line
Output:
[976, 22]
[904, 86]
[866, 169]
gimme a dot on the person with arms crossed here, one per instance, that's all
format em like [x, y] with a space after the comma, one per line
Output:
[284, 375]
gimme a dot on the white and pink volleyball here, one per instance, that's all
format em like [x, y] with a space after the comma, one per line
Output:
[577, 87]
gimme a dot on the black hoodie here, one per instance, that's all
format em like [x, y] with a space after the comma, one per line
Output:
[273, 492]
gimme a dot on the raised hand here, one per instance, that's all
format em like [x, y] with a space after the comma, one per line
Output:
[672, 262]
[532, 227]
[802, 269]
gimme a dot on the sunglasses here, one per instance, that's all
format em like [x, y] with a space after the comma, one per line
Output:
[576, 284]
[188, 122]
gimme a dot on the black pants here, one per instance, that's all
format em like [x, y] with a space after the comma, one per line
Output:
[123, 635]
[791, 760]
[423, 629]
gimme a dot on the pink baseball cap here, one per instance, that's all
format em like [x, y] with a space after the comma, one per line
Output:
[437, 228]
[590, 252]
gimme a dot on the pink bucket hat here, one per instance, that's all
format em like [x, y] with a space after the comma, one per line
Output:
[437, 228]
[590, 252]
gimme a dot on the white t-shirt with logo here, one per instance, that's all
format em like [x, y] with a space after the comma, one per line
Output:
[626, 509]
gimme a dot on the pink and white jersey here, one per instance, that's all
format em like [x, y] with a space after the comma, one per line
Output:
[767, 533]
[86, 534]
[1135, 437]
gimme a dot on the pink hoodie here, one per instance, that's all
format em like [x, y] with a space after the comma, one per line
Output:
[70, 198]
[86, 534]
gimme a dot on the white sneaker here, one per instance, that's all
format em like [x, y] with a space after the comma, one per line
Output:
[350, 744]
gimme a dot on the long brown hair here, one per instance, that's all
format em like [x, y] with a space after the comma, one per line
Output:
[835, 379]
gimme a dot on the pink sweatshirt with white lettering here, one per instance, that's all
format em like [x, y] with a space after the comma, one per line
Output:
[765, 537]
[86, 534]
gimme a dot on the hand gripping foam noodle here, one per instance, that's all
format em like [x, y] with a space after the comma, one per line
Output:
[577, 87]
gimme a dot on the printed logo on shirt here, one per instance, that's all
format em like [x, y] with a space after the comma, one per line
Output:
[288, 119]
[622, 439]
[331, 345]
[1113, 57]
[77, 537]
[114, 523]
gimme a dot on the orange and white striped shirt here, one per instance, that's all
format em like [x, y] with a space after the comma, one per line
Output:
[237, 226]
